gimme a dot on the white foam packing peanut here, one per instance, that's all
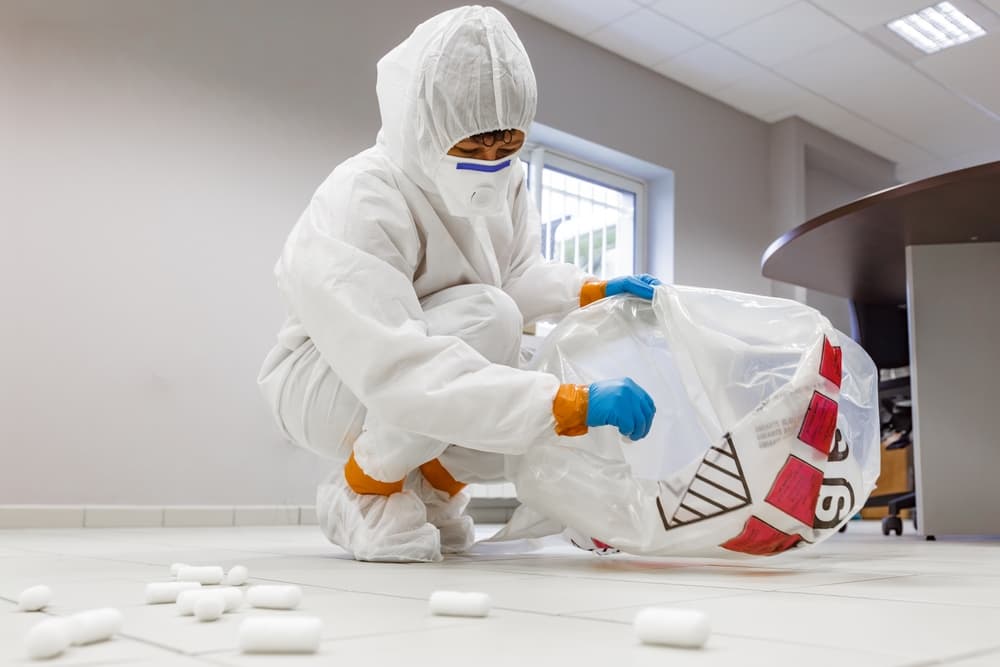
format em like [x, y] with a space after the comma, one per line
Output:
[35, 598]
[48, 639]
[454, 603]
[232, 599]
[280, 634]
[209, 607]
[274, 597]
[161, 592]
[237, 575]
[176, 567]
[96, 625]
[205, 574]
[685, 628]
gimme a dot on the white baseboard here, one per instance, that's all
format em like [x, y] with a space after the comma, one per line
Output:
[145, 516]
[483, 510]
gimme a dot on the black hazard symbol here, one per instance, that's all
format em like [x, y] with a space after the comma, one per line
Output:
[834, 504]
[719, 486]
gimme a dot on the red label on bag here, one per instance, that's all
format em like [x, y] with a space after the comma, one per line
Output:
[831, 364]
[820, 423]
[760, 538]
[796, 490]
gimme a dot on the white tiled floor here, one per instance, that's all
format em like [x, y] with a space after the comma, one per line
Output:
[860, 599]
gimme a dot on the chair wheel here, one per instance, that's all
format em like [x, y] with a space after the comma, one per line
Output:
[931, 538]
[892, 524]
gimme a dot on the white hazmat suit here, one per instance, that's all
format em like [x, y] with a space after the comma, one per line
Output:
[405, 320]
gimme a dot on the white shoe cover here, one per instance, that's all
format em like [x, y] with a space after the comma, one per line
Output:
[377, 528]
[458, 533]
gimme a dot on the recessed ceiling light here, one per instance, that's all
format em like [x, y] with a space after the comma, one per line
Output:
[936, 28]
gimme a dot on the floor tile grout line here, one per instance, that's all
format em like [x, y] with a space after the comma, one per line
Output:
[887, 577]
[571, 617]
[568, 616]
[525, 573]
[123, 635]
[512, 609]
[806, 644]
[367, 635]
[149, 642]
[142, 562]
[727, 634]
[592, 578]
[970, 654]
[739, 593]
[577, 617]
[875, 577]
[894, 600]
[346, 590]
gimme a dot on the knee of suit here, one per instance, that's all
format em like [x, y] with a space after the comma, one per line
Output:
[483, 316]
[502, 314]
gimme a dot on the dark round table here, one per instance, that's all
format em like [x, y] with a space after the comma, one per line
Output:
[858, 250]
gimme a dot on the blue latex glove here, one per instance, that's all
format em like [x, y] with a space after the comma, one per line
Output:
[621, 403]
[641, 286]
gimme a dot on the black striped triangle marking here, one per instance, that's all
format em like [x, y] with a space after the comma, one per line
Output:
[719, 486]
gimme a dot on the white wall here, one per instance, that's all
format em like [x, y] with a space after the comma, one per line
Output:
[825, 191]
[812, 172]
[155, 155]
[718, 155]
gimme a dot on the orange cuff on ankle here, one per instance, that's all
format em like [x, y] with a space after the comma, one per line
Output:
[440, 478]
[570, 409]
[365, 485]
[591, 292]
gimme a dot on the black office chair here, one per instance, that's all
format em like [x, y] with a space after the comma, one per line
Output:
[882, 330]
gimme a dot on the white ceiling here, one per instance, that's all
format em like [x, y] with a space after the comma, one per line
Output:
[831, 62]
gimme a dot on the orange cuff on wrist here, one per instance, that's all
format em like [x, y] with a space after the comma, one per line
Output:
[363, 484]
[439, 477]
[591, 292]
[570, 409]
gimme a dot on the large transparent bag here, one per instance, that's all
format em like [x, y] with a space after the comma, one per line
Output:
[766, 435]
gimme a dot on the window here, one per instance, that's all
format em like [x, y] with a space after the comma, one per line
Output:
[590, 216]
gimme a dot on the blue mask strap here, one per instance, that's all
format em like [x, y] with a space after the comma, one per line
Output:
[490, 168]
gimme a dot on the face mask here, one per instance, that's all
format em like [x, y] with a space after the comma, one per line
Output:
[472, 188]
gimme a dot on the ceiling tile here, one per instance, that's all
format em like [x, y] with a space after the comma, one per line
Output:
[881, 142]
[970, 70]
[864, 14]
[943, 123]
[785, 34]
[580, 17]
[762, 94]
[822, 113]
[850, 66]
[718, 16]
[707, 68]
[861, 77]
[645, 37]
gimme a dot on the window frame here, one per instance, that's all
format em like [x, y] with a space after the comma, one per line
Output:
[538, 157]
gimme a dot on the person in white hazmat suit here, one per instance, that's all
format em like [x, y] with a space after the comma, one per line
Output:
[409, 279]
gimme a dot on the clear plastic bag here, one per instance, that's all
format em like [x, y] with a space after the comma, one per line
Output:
[766, 435]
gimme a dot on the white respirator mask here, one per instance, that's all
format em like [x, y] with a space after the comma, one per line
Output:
[472, 188]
